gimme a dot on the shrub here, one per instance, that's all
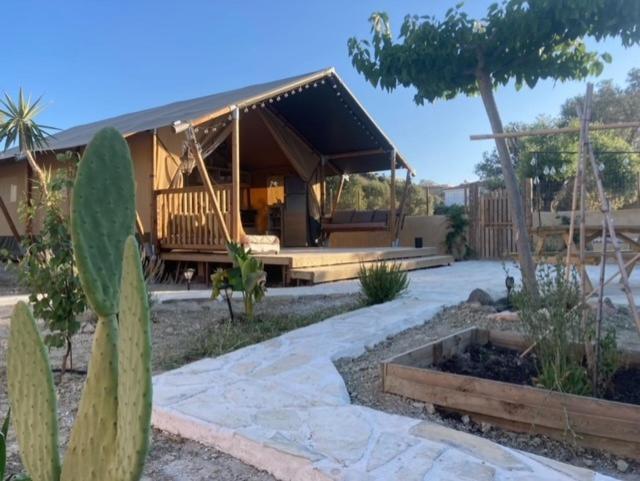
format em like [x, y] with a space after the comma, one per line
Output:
[382, 282]
[457, 225]
[246, 276]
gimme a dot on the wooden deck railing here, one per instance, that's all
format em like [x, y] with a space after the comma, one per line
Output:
[186, 218]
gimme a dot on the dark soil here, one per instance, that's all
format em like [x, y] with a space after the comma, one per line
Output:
[491, 362]
[501, 364]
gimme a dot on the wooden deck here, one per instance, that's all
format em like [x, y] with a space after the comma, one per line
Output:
[314, 265]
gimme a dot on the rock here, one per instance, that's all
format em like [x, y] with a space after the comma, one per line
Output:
[509, 316]
[485, 427]
[466, 420]
[430, 408]
[418, 405]
[622, 465]
[588, 462]
[481, 297]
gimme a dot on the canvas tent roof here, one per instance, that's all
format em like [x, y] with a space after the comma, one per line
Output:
[327, 116]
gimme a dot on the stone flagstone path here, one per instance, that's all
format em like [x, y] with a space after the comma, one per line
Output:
[281, 405]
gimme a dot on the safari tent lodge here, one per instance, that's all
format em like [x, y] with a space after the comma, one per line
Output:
[250, 165]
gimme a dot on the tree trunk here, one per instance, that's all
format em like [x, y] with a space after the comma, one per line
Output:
[39, 172]
[527, 265]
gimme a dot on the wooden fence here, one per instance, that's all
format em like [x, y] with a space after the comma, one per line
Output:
[491, 231]
[186, 218]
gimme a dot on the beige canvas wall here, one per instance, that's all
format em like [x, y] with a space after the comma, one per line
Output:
[621, 217]
[432, 230]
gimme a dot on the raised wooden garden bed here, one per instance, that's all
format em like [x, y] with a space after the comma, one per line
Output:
[587, 421]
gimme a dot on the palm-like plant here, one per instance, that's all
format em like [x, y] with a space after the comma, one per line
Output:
[18, 125]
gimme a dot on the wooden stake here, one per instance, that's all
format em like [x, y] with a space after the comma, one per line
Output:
[403, 202]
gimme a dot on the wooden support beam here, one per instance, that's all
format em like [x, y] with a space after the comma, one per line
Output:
[336, 199]
[195, 150]
[7, 216]
[403, 203]
[357, 153]
[217, 141]
[236, 221]
[392, 193]
[139, 227]
[563, 130]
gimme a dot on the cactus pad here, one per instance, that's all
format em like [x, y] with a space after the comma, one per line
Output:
[134, 368]
[102, 217]
[32, 397]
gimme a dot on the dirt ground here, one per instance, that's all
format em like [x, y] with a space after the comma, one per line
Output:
[175, 326]
[362, 376]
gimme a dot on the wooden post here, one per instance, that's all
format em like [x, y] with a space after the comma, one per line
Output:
[427, 198]
[153, 234]
[236, 223]
[403, 202]
[197, 155]
[7, 216]
[323, 186]
[392, 193]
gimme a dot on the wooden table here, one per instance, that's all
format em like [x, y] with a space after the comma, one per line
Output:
[625, 233]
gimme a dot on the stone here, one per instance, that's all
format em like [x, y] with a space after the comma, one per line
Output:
[278, 419]
[472, 445]
[481, 297]
[622, 465]
[430, 408]
[465, 420]
[418, 405]
[465, 470]
[508, 316]
[574, 472]
[485, 427]
[327, 428]
[388, 446]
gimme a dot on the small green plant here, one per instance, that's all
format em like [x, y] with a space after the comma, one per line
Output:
[456, 238]
[4, 431]
[554, 322]
[247, 276]
[47, 268]
[110, 436]
[382, 282]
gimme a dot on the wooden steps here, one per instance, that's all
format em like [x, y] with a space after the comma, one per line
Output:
[338, 272]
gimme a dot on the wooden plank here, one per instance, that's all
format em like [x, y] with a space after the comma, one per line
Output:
[558, 411]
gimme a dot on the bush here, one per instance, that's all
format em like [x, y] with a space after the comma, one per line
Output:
[382, 282]
[457, 224]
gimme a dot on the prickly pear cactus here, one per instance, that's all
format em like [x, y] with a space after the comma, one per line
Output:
[109, 440]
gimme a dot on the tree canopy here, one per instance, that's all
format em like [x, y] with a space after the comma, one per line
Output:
[523, 40]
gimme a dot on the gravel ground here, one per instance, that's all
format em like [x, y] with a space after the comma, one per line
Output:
[362, 376]
[175, 326]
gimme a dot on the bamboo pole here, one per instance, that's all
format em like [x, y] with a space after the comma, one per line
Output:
[403, 202]
[600, 307]
[334, 207]
[562, 130]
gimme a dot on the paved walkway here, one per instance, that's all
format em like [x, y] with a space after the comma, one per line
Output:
[282, 406]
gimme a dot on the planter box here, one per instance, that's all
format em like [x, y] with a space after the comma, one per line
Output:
[587, 421]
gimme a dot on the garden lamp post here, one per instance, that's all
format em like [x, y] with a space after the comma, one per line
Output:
[188, 275]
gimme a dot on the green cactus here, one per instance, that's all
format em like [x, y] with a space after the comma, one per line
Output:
[110, 437]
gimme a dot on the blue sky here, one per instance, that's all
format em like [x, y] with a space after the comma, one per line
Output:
[94, 59]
